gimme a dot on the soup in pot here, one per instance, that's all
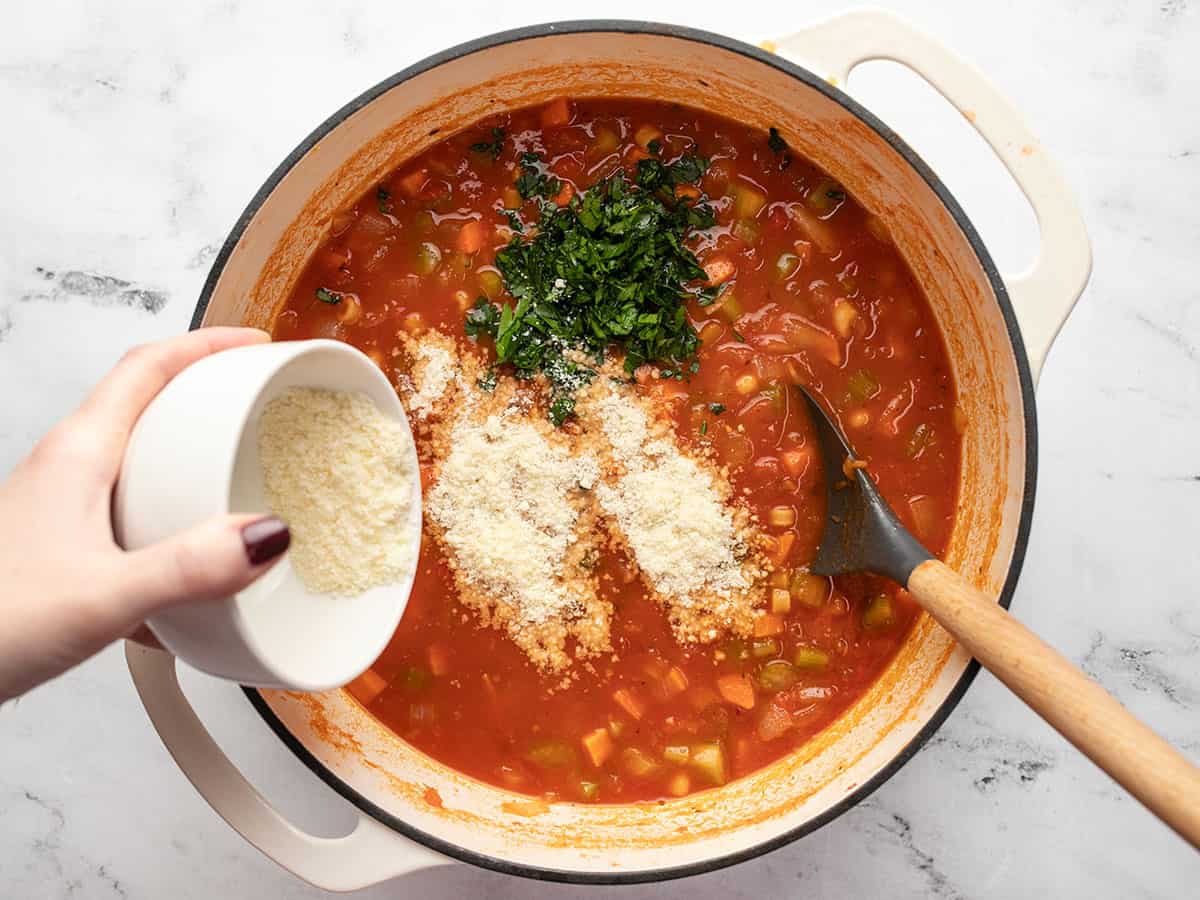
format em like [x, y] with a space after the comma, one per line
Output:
[595, 312]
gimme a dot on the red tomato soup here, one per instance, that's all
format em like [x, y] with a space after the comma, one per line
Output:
[800, 286]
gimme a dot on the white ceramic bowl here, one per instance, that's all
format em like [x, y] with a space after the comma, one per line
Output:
[194, 455]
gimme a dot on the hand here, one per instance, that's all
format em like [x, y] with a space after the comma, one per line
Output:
[66, 588]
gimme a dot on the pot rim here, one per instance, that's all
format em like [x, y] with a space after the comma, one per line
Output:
[939, 716]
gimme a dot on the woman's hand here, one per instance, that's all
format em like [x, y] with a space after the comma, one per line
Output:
[66, 588]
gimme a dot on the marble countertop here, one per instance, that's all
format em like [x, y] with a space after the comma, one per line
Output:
[137, 133]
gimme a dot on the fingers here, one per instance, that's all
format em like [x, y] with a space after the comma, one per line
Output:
[211, 561]
[121, 397]
[144, 636]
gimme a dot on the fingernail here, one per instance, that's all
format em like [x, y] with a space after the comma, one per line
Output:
[265, 539]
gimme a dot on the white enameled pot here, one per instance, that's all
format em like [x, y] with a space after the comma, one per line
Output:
[997, 332]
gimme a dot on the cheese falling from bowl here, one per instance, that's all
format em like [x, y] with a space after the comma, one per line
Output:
[340, 473]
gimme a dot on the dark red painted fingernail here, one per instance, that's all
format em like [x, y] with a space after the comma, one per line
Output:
[265, 539]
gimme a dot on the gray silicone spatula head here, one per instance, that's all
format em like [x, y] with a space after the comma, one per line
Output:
[861, 532]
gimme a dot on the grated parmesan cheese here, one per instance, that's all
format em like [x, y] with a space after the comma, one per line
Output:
[433, 372]
[509, 505]
[341, 474]
[676, 521]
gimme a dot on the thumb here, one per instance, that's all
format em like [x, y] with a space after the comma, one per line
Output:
[215, 559]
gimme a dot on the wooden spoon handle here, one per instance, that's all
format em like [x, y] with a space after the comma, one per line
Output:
[1082, 711]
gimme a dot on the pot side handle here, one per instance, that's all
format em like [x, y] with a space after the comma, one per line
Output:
[1044, 295]
[369, 854]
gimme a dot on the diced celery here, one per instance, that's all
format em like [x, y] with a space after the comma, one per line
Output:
[737, 650]
[728, 307]
[709, 760]
[746, 201]
[879, 612]
[551, 754]
[809, 590]
[862, 386]
[786, 265]
[746, 230]
[490, 283]
[777, 675]
[810, 659]
[825, 197]
[429, 257]
[637, 763]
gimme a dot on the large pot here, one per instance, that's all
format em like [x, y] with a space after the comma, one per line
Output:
[997, 335]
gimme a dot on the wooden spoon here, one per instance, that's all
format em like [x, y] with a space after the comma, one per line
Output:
[863, 534]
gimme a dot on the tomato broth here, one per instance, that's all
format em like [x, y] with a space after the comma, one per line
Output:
[808, 290]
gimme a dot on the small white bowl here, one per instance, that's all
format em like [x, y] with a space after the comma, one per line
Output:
[193, 455]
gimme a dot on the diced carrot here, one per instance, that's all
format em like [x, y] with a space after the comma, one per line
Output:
[736, 689]
[634, 155]
[412, 183]
[439, 659]
[795, 462]
[367, 686]
[783, 548]
[702, 697]
[768, 625]
[564, 195]
[710, 332]
[470, 237]
[599, 746]
[719, 269]
[629, 702]
[676, 681]
[687, 191]
[645, 134]
[556, 112]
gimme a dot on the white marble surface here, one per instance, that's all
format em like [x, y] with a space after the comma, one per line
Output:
[137, 132]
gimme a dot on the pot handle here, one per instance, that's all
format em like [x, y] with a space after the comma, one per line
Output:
[369, 854]
[1044, 295]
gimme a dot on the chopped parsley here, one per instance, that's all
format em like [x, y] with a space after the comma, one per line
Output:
[533, 180]
[609, 268]
[514, 220]
[492, 148]
[325, 295]
[704, 428]
[737, 334]
[654, 147]
[384, 200]
[716, 408]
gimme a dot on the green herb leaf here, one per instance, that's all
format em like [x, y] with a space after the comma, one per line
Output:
[325, 295]
[654, 147]
[492, 148]
[514, 220]
[610, 269]
[384, 200]
[738, 335]
[482, 318]
[704, 427]
[716, 408]
[533, 180]
[775, 141]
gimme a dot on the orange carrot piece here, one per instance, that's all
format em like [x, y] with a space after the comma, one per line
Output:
[598, 745]
[564, 195]
[470, 237]
[687, 191]
[439, 659]
[629, 702]
[556, 112]
[367, 686]
[736, 689]
[412, 183]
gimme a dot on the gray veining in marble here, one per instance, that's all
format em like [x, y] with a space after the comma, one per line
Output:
[136, 133]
